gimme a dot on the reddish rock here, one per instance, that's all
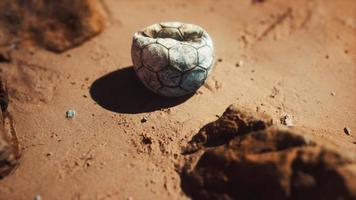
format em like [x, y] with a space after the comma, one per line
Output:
[55, 25]
[268, 164]
[235, 121]
[9, 148]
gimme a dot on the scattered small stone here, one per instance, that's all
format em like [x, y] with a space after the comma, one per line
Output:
[5, 57]
[332, 93]
[70, 113]
[327, 56]
[13, 46]
[146, 140]
[347, 131]
[220, 60]
[239, 63]
[37, 197]
[144, 119]
[49, 154]
[287, 120]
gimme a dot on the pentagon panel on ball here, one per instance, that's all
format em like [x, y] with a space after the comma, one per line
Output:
[172, 58]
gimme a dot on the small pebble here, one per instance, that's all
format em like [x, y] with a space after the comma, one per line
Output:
[287, 120]
[220, 60]
[332, 93]
[347, 131]
[37, 197]
[49, 154]
[144, 119]
[239, 63]
[70, 114]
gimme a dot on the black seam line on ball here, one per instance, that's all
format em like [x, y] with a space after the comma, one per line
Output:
[169, 58]
[172, 87]
[141, 61]
[144, 34]
[144, 46]
[183, 88]
[159, 79]
[201, 33]
[159, 32]
[196, 48]
[160, 85]
[149, 69]
[205, 45]
[164, 68]
[181, 78]
[196, 52]
[138, 69]
[205, 71]
[161, 45]
[180, 32]
[185, 74]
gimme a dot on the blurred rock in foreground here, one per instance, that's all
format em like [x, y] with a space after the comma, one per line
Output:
[55, 25]
[266, 163]
[9, 147]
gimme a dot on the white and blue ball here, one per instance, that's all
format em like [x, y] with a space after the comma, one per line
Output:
[173, 58]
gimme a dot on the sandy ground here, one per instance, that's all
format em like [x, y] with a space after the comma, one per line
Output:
[295, 57]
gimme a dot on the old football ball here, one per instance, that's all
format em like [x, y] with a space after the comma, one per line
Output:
[172, 58]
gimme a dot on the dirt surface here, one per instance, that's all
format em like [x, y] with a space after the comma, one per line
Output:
[274, 56]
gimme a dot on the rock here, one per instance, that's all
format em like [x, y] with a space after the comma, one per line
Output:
[4, 100]
[235, 121]
[5, 56]
[70, 113]
[38, 197]
[9, 147]
[347, 131]
[287, 120]
[239, 63]
[271, 164]
[144, 119]
[265, 162]
[55, 25]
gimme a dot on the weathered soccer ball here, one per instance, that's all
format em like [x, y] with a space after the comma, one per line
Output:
[172, 59]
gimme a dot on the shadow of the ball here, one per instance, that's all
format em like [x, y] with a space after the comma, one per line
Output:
[122, 92]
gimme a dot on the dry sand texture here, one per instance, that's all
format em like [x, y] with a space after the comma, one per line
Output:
[273, 56]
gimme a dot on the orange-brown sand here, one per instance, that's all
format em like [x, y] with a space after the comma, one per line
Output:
[274, 56]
